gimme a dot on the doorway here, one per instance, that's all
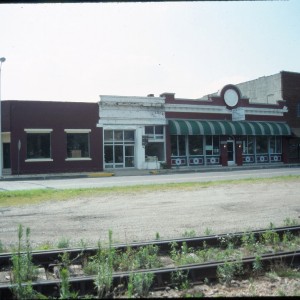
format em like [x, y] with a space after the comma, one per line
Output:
[231, 152]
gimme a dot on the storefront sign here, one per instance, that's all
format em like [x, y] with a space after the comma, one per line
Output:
[238, 114]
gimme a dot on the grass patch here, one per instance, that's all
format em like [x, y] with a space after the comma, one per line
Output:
[14, 198]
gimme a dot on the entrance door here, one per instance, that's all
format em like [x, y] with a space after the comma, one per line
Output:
[6, 155]
[231, 152]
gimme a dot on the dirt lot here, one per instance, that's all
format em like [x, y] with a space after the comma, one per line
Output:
[131, 216]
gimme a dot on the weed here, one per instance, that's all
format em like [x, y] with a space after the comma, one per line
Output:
[157, 236]
[103, 280]
[271, 226]
[184, 255]
[228, 241]
[290, 222]
[281, 293]
[208, 231]
[63, 243]
[272, 276]
[23, 270]
[180, 280]
[140, 283]
[249, 241]
[227, 272]
[65, 292]
[270, 237]
[189, 233]
[282, 270]
[45, 246]
[257, 265]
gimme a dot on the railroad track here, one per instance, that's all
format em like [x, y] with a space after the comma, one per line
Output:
[162, 276]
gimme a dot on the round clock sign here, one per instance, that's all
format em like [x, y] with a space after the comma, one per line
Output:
[231, 97]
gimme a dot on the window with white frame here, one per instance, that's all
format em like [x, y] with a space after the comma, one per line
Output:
[78, 143]
[155, 132]
[261, 145]
[275, 145]
[178, 147]
[195, 144]
[212, 146]
[248, 144]
[156, 143]
[38, 144]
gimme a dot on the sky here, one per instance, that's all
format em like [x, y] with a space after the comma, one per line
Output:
[76, 52]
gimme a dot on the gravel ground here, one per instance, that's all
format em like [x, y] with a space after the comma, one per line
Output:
[171, 213]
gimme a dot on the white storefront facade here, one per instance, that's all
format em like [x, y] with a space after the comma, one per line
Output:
[133, 131]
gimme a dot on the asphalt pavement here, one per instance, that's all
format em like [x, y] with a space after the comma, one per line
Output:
[138, 177]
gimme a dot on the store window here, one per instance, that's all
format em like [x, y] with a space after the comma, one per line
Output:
[248, 144]
[119, 148]
[78, 144]
[38, 144]
[212, 146]
[178, 145]
[195, 145]
[155, 132]
[156, 144]
[275, 145]
[261, 145]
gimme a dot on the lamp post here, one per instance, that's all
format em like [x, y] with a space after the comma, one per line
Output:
[2, 60]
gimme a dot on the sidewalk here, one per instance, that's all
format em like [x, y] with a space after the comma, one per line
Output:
[135, 172]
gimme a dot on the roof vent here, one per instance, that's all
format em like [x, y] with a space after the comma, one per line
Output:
[150, 95]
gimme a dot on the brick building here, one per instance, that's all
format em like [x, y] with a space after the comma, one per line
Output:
[255, 122]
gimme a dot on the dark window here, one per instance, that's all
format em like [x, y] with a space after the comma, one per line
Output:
[178, 145]
[38, 145]
[248, 144]
[261, 145]
[275, 144]
[78, 145]
[196, 145]
[212, 145]
[155, 132]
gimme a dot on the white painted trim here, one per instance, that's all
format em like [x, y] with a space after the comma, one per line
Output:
[197, 108]
[223, 110]
[38, 159]
[78, 130]
[78, 158]
[135, 99]
[126, 123]
[37, 130]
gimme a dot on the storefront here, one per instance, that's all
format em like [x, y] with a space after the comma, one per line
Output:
[133, 131]
[225, 129]
[198, 142]
[220, 129]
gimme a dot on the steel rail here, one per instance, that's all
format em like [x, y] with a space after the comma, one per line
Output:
[45, 258]
[162, 276]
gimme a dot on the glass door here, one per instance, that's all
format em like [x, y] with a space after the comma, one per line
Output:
[230, 152]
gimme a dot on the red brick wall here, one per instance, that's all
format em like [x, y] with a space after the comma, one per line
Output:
[57, 116]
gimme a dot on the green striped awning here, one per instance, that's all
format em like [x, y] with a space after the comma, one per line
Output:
[197, 127]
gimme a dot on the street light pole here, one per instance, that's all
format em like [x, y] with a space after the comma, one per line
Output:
[2, 60]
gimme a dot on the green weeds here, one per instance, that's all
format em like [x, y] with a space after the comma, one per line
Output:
[23, 270]
[12, 198]
[140, 284]
[228, 271]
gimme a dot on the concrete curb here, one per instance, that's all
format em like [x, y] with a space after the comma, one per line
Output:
[134, 172]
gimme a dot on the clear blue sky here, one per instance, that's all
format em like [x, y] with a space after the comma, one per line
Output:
[76, 52]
